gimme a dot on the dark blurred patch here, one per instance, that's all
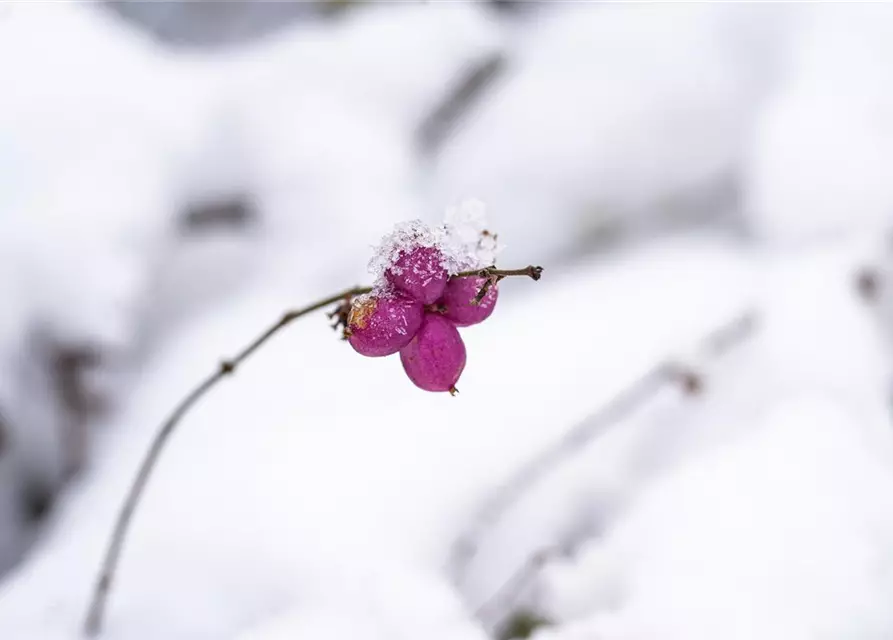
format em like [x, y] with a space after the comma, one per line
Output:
[334, 7]
[468, 91]
[213, 23]
[35, 502]
[513, 6]
[228, 214]
[4, 434]
[868, 284]
[220, 23]
[59, 378]
[714, 204]
[70, 366]
[522, 624]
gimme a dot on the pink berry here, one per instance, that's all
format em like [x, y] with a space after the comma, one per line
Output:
[384, 324]
[435, 357]
[458, 301]
[419, 273]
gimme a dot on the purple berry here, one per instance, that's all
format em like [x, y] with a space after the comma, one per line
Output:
[458, 301]
[384, 324]
[435, 357]
[419, 273]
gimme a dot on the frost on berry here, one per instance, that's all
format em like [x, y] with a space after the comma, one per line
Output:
[382, 324]
[462, 242]
[419, 272]
[435, 357]
[468, 243]
[458, 301]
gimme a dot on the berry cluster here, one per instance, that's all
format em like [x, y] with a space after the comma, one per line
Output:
[416, 313]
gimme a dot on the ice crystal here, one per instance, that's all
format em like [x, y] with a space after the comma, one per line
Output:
[463, 239]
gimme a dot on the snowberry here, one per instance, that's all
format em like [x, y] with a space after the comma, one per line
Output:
[379, 325]
[458, 301]
[419, 272]
[435, 357]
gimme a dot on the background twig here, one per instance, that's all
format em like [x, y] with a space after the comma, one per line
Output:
[439, 124]
[466, 547]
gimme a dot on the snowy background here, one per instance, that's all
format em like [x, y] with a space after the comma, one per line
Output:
[681, 433]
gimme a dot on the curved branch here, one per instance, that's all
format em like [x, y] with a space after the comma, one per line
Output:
[93, 622]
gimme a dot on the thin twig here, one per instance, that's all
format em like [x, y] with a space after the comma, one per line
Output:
[466, 547]
[535, 273]
[93, 622]
[99, 599]
[438, 125]
[511, 588]
[492, 276]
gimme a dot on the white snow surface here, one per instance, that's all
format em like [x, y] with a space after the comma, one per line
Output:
[318, 493]
[279, 503]
[782, 534]
[827, 124]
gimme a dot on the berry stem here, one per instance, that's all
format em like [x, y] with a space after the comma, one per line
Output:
[488, 284]
[93, 622]
[535, 273]
[493, 275]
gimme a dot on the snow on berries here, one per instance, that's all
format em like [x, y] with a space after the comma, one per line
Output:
[420, 273]
[429, 281]
[435, 357]
[461, 243]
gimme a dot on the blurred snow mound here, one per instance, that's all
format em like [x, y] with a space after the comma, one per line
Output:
[784, 534]
[813, 341]
[817, 165]
[89, 130]
[605, 115]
